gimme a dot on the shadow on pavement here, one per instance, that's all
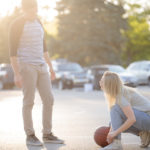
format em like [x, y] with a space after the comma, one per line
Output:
[133, 147]
[45, 147]
[49, 146]
[29, 147]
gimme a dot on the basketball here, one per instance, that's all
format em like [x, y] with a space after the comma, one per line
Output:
[100, 136]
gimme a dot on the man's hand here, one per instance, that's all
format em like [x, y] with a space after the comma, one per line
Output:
[53, 75]
[18, 80]
[110, 137]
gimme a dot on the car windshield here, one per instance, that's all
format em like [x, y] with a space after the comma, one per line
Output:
[117, 69]
[69, 67]
[139, 66]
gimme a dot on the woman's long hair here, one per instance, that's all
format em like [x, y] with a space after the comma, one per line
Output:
[113, 88]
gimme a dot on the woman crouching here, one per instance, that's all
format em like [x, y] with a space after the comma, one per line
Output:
[129, 111]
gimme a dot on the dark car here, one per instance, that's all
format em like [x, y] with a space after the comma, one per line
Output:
[69, 75]
[8, 76]
[97, 71]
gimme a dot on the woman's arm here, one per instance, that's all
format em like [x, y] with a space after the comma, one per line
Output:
[128, 123]
[130, 119]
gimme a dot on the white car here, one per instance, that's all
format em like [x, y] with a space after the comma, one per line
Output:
[127, 78]
[141, 70]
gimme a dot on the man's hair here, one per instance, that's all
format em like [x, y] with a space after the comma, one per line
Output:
[28, 4]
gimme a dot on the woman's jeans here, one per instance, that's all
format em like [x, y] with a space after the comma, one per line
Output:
[118, 118]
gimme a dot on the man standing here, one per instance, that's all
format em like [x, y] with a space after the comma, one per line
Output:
[28, 56]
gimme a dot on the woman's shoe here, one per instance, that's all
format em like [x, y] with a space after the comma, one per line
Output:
[145, 138]
[115, 145]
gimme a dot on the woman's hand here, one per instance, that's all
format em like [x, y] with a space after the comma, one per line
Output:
[110, 137]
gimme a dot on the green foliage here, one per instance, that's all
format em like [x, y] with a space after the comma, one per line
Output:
[138, 37]
[89, 31]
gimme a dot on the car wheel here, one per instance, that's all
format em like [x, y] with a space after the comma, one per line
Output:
[70, 86]
[8, 86]
[60, 85]
[97, 87]
[1, 85]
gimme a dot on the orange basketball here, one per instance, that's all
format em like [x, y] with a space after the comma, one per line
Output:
[100, 136]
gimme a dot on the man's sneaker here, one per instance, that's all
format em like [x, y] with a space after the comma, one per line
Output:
[115, 145]
[145, 138]
[50, 138]
[33, 140]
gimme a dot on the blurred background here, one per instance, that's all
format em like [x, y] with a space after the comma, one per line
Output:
[85, 38]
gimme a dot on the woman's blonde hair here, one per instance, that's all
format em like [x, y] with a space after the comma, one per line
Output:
[112, 86]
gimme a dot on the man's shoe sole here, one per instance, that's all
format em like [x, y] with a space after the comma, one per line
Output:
[54, 142]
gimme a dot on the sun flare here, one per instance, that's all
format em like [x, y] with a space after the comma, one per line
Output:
[46, 8]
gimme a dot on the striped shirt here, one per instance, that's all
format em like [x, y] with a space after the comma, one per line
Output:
[30, 49]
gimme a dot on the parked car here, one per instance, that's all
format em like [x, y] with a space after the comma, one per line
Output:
[127, 78]
[7, 79]
[141, 70]
[2, 75]
[98, 70]
[69, 75]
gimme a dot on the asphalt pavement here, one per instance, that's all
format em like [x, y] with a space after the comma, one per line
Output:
[76, 116]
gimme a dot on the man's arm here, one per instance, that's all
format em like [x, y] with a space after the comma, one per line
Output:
[48, 61]
[14, 65]
[17, 76]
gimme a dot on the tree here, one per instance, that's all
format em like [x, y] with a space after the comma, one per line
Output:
[138, 36]
[89, 31]
[4, 27]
